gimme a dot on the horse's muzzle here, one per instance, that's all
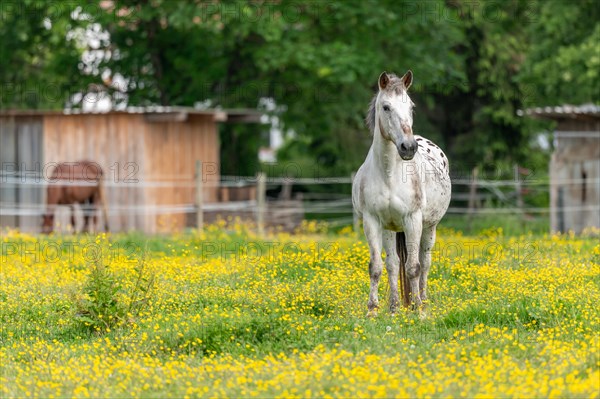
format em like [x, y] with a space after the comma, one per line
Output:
[408, 149]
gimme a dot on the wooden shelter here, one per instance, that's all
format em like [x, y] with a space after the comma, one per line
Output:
[574, 166]
[148, 156]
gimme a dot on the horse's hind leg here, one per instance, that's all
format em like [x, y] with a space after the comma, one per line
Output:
[427, 243]
[86, 215]
[87, 226]
[93, 227]
[392, 264]
[86, 223]
[91, 214]
[373, 232]
[72, 211]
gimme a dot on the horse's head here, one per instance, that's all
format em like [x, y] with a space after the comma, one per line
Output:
[394, 110]
[47, 223]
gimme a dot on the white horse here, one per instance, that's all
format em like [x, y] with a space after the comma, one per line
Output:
[401, 192]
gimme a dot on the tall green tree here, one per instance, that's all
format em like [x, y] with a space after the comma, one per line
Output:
[319, 60]
[475, 65]
[38, 60]
[563, 61]
[477, 114]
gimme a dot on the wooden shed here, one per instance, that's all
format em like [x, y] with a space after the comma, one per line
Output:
[148, 156]
[574, 166]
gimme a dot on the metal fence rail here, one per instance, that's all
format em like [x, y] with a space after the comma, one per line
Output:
[470, 197]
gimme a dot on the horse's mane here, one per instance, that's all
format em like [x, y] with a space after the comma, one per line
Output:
[395, 84]
[370, 119]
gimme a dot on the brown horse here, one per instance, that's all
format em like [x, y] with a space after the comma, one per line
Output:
[82, 185]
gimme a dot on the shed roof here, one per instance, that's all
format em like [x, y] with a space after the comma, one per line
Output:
[153, 113]
[584, 111]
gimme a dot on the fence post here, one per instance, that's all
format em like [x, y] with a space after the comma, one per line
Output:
[355, 220]
[199, 197]
[518, 193]
[472, 196]
[261, 202]
[286, 191]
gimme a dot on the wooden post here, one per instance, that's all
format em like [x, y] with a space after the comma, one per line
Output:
[355, 220]
[518, 192]
[261, 194]
[472, 196]
[199, 197]
[286, 191]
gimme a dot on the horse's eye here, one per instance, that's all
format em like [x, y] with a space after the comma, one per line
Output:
[386, 108]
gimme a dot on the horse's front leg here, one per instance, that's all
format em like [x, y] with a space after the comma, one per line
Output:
[392, 264]
[427, 243]
[373, 233]
[412, 229]
[94, 225]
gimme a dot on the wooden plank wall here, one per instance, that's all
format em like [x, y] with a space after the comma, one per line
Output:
[8, 160]
[116, 142]
[576, 159]
[172, 149]
[29, 154]
[21, 149]
[133, 152]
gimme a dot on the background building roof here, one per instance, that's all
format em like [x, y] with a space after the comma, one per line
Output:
[154, 113]
[563, 111]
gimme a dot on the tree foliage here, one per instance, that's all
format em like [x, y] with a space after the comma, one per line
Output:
[475, 65]
[36, 59]
[563, 61]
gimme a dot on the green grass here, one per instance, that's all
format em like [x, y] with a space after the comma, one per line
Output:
[297, 316]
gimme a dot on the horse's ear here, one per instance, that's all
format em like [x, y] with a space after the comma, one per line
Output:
[407, 79]
[384, 80]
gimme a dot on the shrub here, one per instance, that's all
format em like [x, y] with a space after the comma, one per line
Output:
[106, 303]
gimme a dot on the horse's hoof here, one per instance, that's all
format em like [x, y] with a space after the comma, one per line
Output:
[415, 306]
[372, 313]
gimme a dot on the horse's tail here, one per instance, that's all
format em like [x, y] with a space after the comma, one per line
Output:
[102, 200]
[403, 255]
